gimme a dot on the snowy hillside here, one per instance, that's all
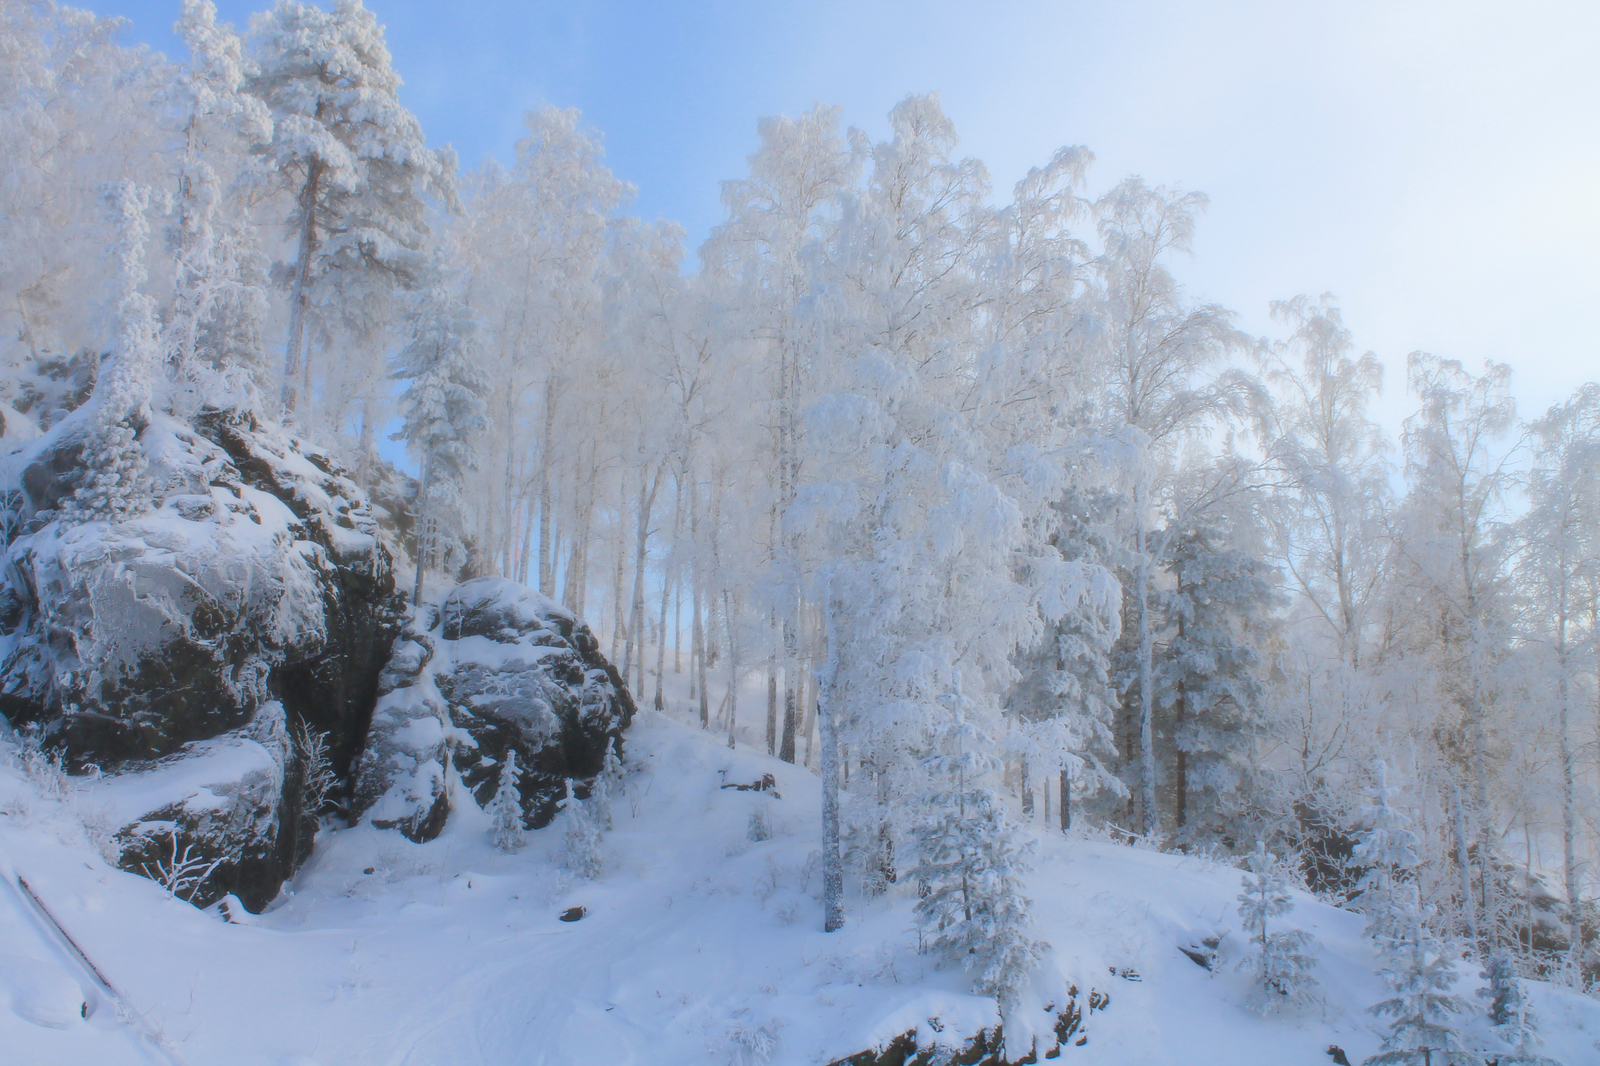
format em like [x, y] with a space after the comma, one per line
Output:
[697, 945]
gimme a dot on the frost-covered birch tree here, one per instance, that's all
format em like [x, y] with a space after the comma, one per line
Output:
[1157, 345]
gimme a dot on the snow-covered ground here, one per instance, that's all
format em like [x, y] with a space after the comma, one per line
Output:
[698, 945]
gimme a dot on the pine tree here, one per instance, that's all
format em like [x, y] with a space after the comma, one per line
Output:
[1417, 969]
[969, 871]
[1208, 680]
[441, 407]
[1513, 1018]
[1063, 701]
[505, 809]
[115, 485]
[1282, 966]
[582, 841]
[352, 157]
[607, 788]
[1387, 847]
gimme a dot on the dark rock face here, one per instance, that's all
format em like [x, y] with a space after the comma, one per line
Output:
[987, 1047]
[494, 668]
[253, 605]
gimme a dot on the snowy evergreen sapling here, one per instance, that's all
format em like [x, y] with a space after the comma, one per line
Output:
[1282, 967]
[582, 843]
[505, 809]
[607, 788]
[1419, 971]
[1514, 1020]
[1387, 847]
[970, 868]
[115, 484]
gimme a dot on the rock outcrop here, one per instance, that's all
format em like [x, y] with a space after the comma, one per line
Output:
[493, 667]
[217, 657]
[986, 1047]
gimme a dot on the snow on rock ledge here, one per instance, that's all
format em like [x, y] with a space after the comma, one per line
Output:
[258, 584]
[495, 667]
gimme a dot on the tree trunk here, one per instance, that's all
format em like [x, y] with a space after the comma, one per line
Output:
[661, 645]
[618, 626]
[1463, 862]
[1569, 809]
[1182, 775]
[302, 277]
[637, 631]
[677, 619]
[733, 669]
[1141, 592]
[1066, 799]
[832, 861]
[697, 658]
[772, 691]
[421, 520]
[547, 577]
[705, 640]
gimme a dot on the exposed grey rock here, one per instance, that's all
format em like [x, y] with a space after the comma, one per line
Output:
[258, 579]
[495, 667]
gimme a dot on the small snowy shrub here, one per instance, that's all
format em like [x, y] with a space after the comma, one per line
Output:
[505, 809]
[45, 769]
[1279, 959]
[317, 768]
[180, 873]
[749, 1045]
[760, 823]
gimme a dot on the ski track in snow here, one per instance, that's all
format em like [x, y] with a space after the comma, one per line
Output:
[452, 954]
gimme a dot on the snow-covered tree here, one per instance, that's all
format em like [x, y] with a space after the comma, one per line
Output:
[1064, 699]
[78, 112]
[352, 158]
[580, 837]
[1423, 1012]
[608, 788]
[1513, 1017]
[1279, 959]
[1158, 345]
[1209, 678]
[1558, 568]
[1459, 464]
[1327, 521]
[1387, 848]
[505, 809]
[220, 302]
[969, 868]
[441, 407]
[114, 484]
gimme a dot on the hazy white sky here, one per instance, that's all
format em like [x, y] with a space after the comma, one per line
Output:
[1436, 166]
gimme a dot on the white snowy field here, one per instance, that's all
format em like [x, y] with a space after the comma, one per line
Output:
[698, 945]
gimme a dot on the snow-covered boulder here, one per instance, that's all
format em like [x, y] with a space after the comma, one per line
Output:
[493, 667]
[258, 579]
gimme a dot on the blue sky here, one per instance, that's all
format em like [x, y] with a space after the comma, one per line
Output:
[1435, 165]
